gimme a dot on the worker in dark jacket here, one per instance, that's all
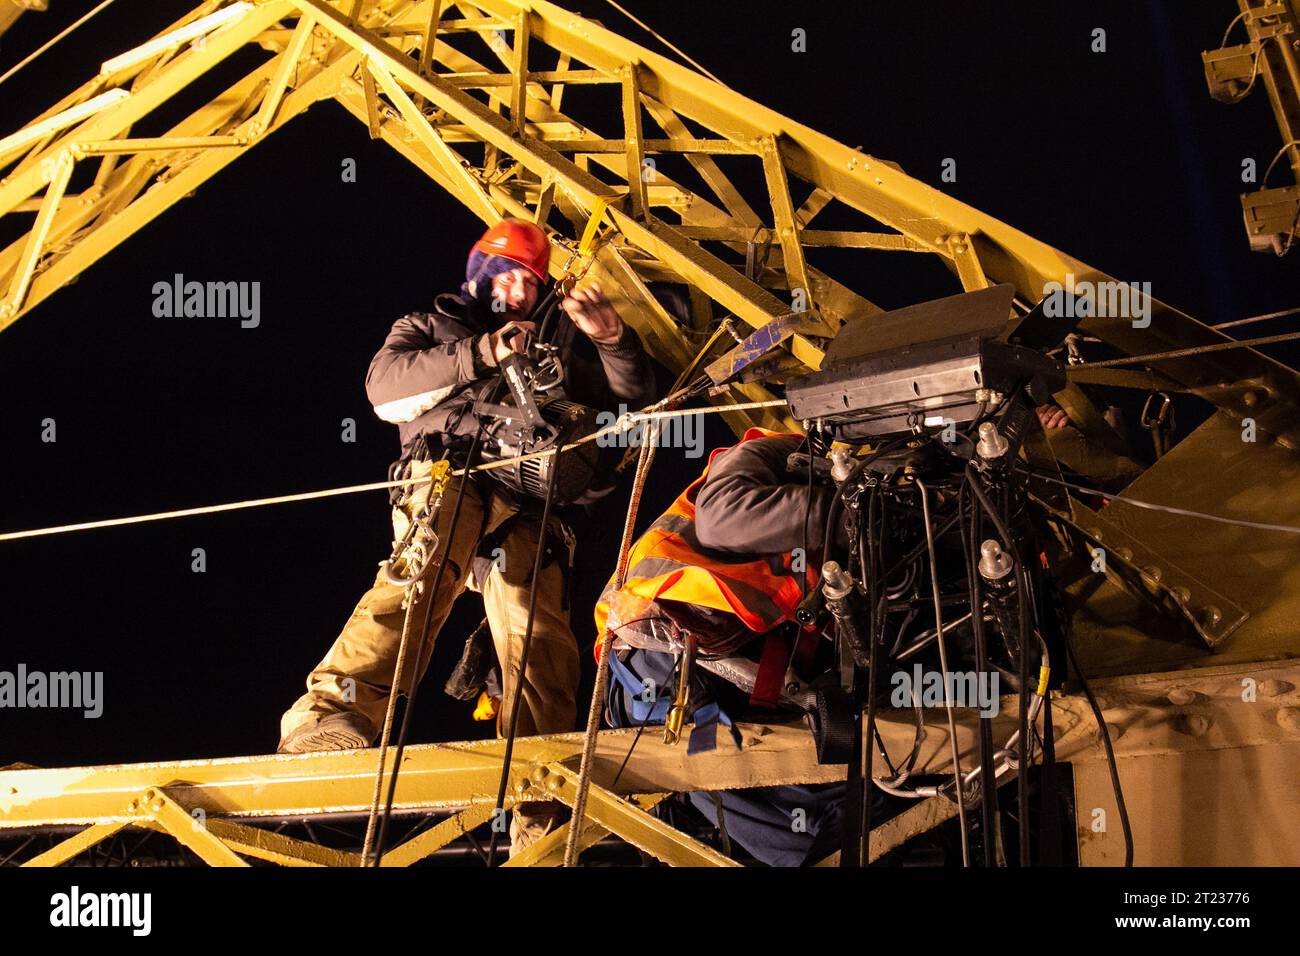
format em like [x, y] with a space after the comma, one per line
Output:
[425, 379]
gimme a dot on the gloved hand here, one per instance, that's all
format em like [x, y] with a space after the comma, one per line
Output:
[511, 337]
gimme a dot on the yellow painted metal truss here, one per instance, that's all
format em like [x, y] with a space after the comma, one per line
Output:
[213, 807]
[496, 135]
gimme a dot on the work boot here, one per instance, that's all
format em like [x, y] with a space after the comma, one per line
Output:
[335, 732]
[531, 821]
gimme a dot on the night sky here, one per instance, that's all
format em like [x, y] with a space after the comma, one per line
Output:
[1119, 158]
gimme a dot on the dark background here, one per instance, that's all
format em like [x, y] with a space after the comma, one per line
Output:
[1120, 159]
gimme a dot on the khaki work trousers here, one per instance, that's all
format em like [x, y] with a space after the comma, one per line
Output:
[357, 673]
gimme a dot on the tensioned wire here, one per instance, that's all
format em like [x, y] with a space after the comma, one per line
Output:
[624, 423]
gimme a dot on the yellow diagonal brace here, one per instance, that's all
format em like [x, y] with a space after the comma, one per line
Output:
[455, 826]
[549, 850]
[36, 239]
[470, 190]
[967, 263]
[372, 99]
[188, 830]
[787, 229]
[78, 843]
[276, 847]
[749, 301]
[630, 822]
[283, 73]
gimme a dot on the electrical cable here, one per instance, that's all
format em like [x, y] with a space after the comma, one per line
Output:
[1170, 509]
[522, 677]
[960, 794]
[1022, 778]
[988, 788]
[419, 656]
[1110, 753]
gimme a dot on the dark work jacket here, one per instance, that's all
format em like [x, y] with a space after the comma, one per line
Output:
[434, 365]
[752, 503]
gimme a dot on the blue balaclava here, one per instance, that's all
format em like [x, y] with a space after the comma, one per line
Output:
[480, 270]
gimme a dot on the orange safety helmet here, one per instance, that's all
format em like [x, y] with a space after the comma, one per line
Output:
[519, 241]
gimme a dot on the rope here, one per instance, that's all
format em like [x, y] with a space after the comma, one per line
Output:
[623, 424]
[22, 63]
[1184, 353]
[602, 663]
[1257, 318]
[399, 673]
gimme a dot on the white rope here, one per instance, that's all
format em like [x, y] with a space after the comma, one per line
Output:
[22, 63]
[624, 423]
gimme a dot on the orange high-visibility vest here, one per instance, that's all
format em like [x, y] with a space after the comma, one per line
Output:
[669, 562]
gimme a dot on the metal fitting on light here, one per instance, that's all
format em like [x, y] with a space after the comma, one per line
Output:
[991, 444]
[995, 564]
[837, 583]
[841, 464]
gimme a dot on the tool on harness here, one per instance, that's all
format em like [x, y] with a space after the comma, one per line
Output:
[420, 542]
[677, 713]
[535, 417]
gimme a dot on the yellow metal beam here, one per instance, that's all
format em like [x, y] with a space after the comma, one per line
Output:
[77, 843]
[549, 850]
[433, 840]
[188, 829]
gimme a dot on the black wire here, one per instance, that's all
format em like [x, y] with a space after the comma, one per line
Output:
[988, 779]
[522, 677]
[807, 514]
[543, 333]
[1022, 776]
[1110, 753]
[870, 544]
[837, 499]
[432, 599]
